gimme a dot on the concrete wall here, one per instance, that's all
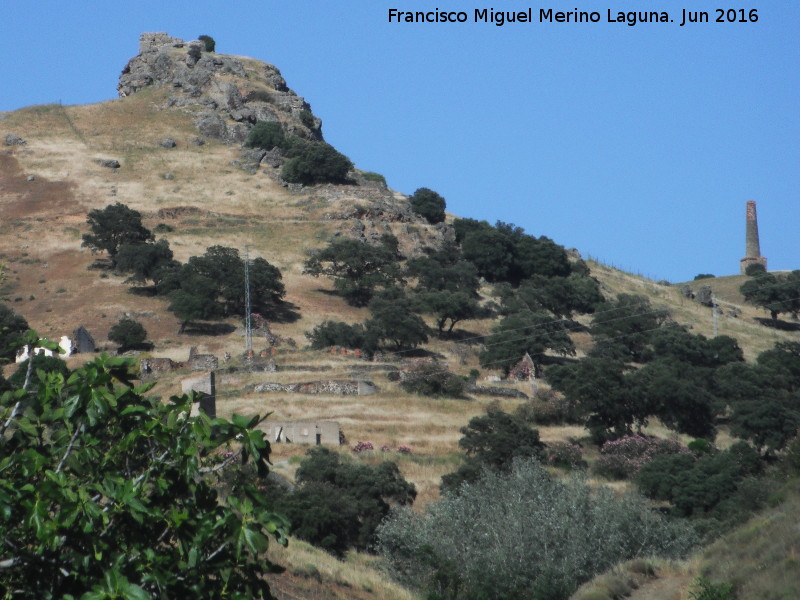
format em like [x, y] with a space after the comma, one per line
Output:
[205, 385]
[302, 432]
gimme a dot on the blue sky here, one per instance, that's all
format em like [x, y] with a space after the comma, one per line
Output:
[637, 145]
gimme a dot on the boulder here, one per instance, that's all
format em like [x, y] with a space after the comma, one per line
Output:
[14, 140]
[109, 163]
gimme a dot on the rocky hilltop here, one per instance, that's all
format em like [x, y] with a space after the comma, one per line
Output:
[231, 93]
[228, 95]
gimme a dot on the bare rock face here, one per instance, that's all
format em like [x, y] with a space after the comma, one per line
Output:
[238, 95]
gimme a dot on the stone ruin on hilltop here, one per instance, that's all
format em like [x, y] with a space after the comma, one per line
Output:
[235, 93]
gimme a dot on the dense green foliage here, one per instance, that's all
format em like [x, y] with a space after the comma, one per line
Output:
[622, 328]
[505, 252]
[523, 535]
[698, 485]
[446, 287]
[146, 261]
[525, 331]
[774, 293]
[561, 296]
[357, 268]
[128, 333]
[104, 493]
[113, 226]
[394, 320]
[338, 333]
[428, 204]
[209, 45]
[677, 384]
[314, 162]
[339, 504]
[764, 398]
[266, 135]
[12, 326]
[492, 442]
[213, 286]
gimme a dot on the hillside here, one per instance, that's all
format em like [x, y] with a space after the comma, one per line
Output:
[203, 189]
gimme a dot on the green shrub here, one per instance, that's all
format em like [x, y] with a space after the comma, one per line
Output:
[699, 486]
[338, 333]
[703, 589]
[314, 162]
[704, 276]
[266, 135]
[128, 334]
[432, 379]
[307, 119]
[195, 52]
[428, 204]
[258, 96]
[565, 455]
[163, 228]
[549, 408]
[754, 269]
[208, 43]
[338, 504]
[376, 177]
[491, 443]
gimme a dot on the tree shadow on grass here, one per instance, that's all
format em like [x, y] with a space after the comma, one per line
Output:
[285, 312]
[212, 329]
[778, 324]
[146, 291]
[463, 336]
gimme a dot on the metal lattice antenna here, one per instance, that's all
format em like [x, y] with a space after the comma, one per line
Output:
[248, 330]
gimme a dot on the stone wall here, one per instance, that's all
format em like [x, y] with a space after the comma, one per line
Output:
[333, 387]
[152, 40]
[153, 368]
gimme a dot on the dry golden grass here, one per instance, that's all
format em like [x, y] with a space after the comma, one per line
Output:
[354, 577]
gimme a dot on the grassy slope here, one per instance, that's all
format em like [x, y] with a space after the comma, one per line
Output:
[41, 223]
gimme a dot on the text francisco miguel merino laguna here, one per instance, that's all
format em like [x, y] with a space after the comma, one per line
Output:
[544, 15]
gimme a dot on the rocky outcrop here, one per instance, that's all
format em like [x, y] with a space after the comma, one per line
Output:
[14, 140]
[236, 94]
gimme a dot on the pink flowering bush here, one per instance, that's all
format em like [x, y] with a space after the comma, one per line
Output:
[622, 458]
[386, 448]
[404, 449]
[565, 455]
[363, 447]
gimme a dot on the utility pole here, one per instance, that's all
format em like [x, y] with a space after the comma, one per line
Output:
[714, 314]
[248, 330]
